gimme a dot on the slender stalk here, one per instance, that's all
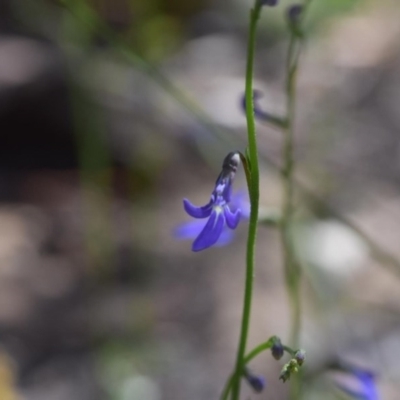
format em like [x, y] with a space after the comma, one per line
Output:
[291, 266]
[254, 190]
[292, 270]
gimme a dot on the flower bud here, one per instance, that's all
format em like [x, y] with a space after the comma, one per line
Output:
[292, 367]
[294, 12]
[257, 382]
[300, 356]
[270, 3]
[277, 349]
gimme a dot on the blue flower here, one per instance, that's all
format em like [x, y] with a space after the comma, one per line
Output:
[219, 211]
[364, 387]
[192, 229]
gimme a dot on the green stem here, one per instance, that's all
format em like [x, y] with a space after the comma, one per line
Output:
[292, 270]
[291, 266]
[253, 185]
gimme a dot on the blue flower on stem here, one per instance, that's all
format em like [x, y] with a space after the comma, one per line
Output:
[364, 387]
[217, 210]
[192, 229]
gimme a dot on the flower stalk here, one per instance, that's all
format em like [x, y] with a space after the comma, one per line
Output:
[291, 265]
[253, 178]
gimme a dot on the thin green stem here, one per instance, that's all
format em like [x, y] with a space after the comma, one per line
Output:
[291, 266]
[253, 185]
[259, 349]
[292, 270]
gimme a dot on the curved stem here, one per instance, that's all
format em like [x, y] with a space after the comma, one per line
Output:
[250, 356]
[253, 185]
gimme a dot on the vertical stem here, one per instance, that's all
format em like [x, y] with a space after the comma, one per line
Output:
[253, 185]
[291, 266]
[292, 270]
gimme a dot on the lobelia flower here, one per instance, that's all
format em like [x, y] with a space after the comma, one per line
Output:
[219, 210]
[192, 229]
[362, 386]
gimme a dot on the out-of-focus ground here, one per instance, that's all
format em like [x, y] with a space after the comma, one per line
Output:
[98, 300]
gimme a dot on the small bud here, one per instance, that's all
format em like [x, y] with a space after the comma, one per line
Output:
[231, 162]
[270, 3]
[256, 382]
[292, 367]
[294, 16]
[300, 356]
[277, 349]
[285, 374]
[294, 12]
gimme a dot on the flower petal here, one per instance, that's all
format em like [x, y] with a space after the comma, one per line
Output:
[197, 212]
[226, 237]
[190, 229]
[240, 199]
[358, 384]
[211, 232]
[232, 219]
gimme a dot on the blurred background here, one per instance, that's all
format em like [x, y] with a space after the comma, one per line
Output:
[110, 113]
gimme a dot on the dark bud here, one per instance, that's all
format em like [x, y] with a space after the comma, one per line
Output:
[231, 162]
[256, 382]
[270, 3]
[294, 16]
[300, 356]
[294, 13]
[277, 349]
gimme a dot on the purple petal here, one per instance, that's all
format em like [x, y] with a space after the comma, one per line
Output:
[211, 232]
[197, 212]
[228, 192]
[232, 219]
[240, 200]
[226, 237]
[367, 379]
[359, 384]
[191, 229]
